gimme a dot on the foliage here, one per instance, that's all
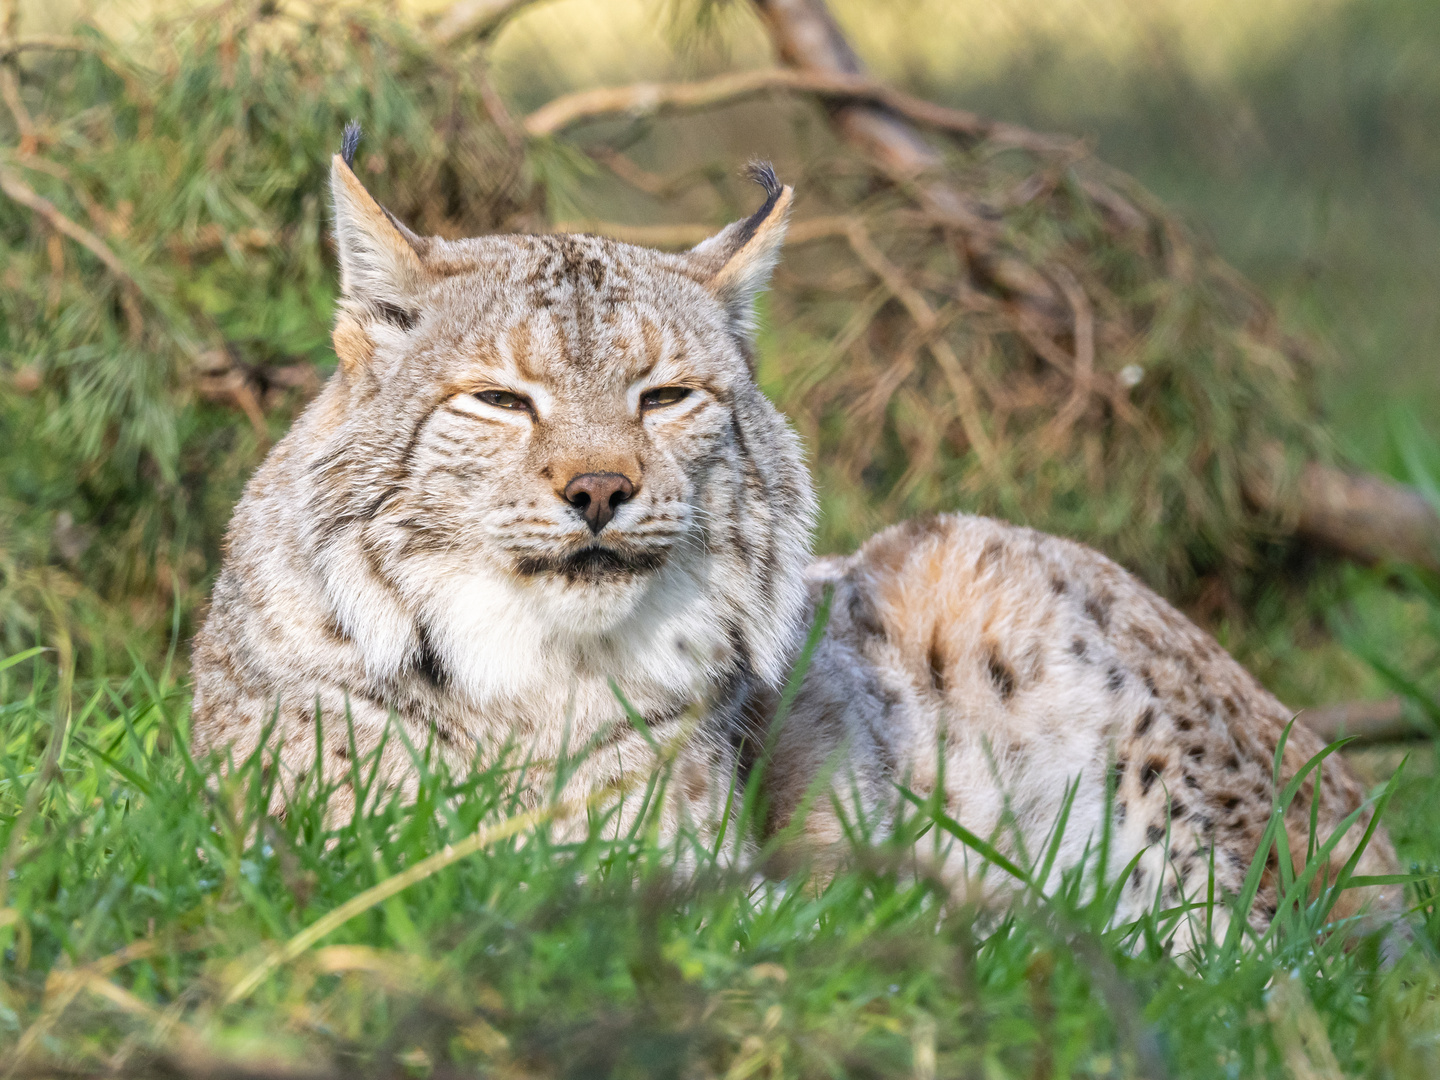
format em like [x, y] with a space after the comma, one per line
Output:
[136, 402]
[138, 399]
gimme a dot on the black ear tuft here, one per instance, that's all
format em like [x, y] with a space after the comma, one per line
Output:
[350, 142]
[763, 173]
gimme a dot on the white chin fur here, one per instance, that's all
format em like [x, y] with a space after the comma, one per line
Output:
[503, 638]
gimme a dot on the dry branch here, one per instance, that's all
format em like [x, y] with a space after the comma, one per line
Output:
[26, 196]
[648, 99]
[1370, 721]
[44, 41]
[471, 19]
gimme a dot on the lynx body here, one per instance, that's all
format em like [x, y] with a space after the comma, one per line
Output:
[544, 464]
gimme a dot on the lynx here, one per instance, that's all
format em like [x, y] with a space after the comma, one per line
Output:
[543, 473]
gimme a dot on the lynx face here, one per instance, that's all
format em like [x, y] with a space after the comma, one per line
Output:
[573, 426]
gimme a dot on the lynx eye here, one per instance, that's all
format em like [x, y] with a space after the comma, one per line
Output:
[504, 399]
[662, 396]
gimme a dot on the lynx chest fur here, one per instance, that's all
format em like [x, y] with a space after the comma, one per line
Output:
[544, 474]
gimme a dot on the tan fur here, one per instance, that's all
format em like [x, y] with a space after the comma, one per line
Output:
[1037, 663]
[409, 547]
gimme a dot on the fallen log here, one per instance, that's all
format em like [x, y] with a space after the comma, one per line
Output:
[1366, 518]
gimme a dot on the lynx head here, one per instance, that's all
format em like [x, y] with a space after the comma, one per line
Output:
[562, 431]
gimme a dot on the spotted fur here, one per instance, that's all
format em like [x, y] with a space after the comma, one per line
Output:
[1021, 664]
[409, 546]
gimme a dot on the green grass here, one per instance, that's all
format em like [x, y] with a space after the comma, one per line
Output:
[148, 901]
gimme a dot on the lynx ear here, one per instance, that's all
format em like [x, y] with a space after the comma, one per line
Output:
[381, 261]
[736, 262]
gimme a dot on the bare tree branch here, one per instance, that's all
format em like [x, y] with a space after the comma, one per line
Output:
[471, 19]
[26, 196]
[647, 99]
[44, 41]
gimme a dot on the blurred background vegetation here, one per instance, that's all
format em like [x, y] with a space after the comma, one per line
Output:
[1293, 141]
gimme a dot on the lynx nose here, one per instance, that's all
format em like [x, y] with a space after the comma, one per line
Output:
[596, 495]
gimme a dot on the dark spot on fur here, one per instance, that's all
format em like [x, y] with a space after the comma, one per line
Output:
[863, 615]
[937, 667]
[1058, 585]
[1120, 810]
[1196, 753]
[1098, 608]
[1154, 834]
[341, 751]
[1077, 646]
[1137, 878]
[1149, 772]
[1118, 771]
[1184, 723]
[1178, 809]
[1232, 763]
[426, 660]
[1114, 679]
[396, 315]
[1147, 718]
[1149, 682]
[1001, 676]
[1230, 803]
[1231, 709]
[1191, 782]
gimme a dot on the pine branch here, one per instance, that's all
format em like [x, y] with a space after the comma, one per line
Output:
[26, 196]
